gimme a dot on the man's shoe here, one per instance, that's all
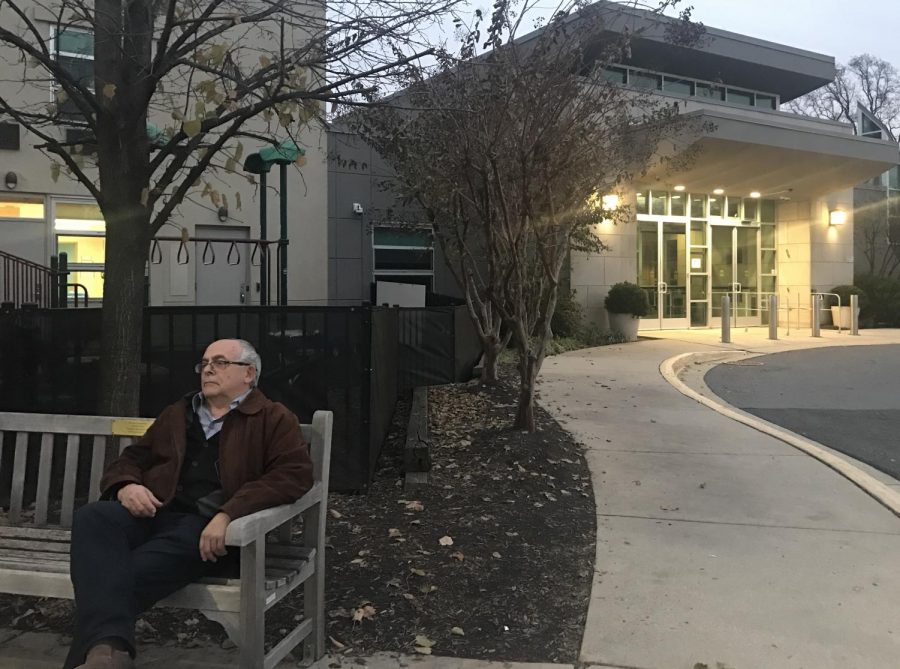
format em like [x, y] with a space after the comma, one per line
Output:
[104, 656]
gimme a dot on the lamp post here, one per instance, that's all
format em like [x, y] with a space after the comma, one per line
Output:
[260, 163]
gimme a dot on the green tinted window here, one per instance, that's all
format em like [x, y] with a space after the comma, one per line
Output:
[76, 42]
[767, 211]
[391, 237]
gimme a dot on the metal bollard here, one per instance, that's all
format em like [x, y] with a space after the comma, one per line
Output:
[854, 315]
[726, 319]
[773, 317]
[816, 304]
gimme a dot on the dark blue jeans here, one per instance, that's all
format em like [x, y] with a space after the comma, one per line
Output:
[122, 565]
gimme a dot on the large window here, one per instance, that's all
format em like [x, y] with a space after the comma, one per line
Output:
[687, 87]
[404, 255]
[80, 232]
[75, 53]
[25, 208]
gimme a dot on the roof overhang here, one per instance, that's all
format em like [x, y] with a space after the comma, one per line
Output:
[778, 158]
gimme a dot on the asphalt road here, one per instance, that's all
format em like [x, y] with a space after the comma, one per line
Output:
[847, 398]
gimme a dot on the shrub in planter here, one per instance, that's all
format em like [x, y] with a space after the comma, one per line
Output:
[846, 291]
[566, 321]
[627, 298]
[841, 316]
[626, 303]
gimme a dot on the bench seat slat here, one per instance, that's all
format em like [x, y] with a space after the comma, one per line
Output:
[38, 556]
[38, 546]
[35, 533]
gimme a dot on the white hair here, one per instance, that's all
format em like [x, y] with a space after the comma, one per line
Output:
[249, 354]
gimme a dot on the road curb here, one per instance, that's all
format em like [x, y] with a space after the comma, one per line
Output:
[879, 491]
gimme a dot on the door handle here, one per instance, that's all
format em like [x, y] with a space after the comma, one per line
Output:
[244, 290]
[663, 287]
[738, 288]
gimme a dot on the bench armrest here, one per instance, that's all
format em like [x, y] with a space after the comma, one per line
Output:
[248, 529]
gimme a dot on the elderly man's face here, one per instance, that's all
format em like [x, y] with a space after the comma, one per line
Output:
[232, 380]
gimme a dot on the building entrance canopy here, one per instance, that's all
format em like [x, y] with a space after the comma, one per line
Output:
[779, 155]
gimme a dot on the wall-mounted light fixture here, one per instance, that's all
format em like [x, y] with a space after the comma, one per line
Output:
[12, 180]
[223, 213]
[837, 217]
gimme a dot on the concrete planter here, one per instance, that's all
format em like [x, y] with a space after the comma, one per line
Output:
[841, 315]
[626, 324]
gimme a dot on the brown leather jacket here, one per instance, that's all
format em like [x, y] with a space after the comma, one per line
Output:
[263, 459]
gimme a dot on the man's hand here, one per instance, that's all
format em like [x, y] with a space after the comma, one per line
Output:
[139, 501]
[212, 541]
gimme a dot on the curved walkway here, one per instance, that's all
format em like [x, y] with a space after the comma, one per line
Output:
[718, 543]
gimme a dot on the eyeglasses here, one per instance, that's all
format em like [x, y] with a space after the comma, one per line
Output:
[219, 364]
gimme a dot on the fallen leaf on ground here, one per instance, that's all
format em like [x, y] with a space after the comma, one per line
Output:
[337, 644]
[363, 612]
[458, 556]
[415, 506]
[445, 541]
[417, 572]
[458, 631]
[424, 641]
[423, 650]
[335, 513]
[394, 533]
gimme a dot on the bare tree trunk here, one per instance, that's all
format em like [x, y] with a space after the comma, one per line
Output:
[127, 245]
[491, 348]
[528, 371]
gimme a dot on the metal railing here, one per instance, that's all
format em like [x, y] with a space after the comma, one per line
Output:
[25, 282]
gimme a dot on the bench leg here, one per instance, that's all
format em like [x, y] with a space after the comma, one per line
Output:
[253, 606]
[314, 588]
[230, 621]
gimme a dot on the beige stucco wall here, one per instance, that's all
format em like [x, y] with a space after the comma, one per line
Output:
[811, 254]
[593, 274]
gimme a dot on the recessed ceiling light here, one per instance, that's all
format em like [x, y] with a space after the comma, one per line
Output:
[719, 191]
[680, 189]
[756, 194]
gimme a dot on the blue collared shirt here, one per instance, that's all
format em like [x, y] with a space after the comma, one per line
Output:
[210, 424]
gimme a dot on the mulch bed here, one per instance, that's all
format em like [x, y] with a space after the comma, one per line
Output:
[492, 560]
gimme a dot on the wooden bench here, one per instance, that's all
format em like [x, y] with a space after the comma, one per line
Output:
[34, 544]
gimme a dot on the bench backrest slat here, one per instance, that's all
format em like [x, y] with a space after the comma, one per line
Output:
[17, 490]
[42, 497]
[98, 462]
[125, 442]
[71, 471]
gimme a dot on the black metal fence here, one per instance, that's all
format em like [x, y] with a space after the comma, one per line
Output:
[350, 360]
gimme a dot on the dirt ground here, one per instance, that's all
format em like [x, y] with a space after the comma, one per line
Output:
[492, 560]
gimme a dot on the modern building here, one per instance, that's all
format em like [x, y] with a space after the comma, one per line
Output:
[767, 207]
[44, 213]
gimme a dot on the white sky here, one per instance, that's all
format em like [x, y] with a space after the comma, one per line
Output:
[833, 27]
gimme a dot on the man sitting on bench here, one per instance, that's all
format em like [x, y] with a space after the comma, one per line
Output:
[208, 459]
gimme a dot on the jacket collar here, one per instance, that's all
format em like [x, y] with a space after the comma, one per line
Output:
[252, 403]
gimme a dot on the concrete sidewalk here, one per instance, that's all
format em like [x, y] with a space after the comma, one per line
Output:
[716, 542]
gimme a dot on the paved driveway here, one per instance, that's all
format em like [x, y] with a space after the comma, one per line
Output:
[847, 398]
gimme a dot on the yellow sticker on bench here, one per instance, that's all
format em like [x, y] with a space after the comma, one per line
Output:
[130, 427]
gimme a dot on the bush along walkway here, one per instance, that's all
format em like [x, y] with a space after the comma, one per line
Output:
[492, 560]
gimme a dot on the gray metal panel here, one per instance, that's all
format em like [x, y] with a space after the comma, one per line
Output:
[350, 284]
[345, 238]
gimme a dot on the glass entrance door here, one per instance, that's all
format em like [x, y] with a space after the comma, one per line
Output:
[735, 272]
[662, 272]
